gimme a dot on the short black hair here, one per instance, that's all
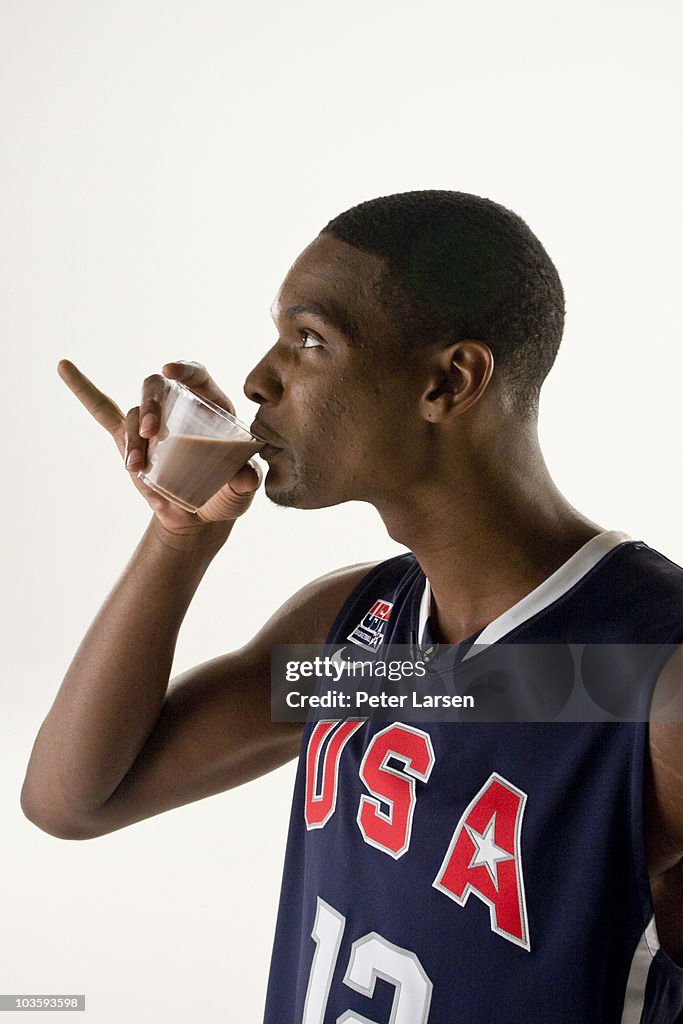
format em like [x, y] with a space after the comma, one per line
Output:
[459, 266]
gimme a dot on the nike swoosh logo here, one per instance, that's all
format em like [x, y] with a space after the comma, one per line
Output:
[338, 659]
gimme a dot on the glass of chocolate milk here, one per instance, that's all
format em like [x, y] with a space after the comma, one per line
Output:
[199, 448]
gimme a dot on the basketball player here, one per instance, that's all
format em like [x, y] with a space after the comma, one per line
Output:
[474, 872]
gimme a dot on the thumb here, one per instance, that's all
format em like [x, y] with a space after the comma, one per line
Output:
[234, 498]
[248, 479]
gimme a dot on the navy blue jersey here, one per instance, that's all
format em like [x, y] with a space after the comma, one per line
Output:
[475, 873]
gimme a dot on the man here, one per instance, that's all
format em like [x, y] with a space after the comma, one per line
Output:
[414, 335]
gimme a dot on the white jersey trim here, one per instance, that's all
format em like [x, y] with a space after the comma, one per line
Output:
[545, 594]
[634, 1000]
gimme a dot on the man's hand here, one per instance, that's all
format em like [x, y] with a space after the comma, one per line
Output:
[132, 433]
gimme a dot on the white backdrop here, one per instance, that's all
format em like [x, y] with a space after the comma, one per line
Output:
[162, 165]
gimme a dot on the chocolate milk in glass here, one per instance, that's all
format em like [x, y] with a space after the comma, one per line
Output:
[192, 469]
[199, 448]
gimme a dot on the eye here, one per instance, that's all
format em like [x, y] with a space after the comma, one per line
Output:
[310, 340]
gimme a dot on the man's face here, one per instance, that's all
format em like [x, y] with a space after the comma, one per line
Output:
[338, 402]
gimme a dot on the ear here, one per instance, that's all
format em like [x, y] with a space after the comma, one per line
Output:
[460, 374]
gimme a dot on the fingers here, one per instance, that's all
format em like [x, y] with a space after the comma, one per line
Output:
[235, 497]
[196, 377]
[100, 407]
[248, 479]
[133, 431]
[154, 389]
[135, 452]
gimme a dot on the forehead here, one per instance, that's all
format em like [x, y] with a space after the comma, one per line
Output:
[337, 282]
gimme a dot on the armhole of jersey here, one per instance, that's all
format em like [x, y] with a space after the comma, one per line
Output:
[383, 567]
[648, 949]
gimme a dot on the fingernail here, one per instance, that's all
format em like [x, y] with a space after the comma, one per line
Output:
[148, 424]
[133, 458]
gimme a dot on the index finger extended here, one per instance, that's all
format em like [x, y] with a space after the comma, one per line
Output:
[100, 407]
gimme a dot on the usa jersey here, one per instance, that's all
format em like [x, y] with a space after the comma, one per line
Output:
[476, 873]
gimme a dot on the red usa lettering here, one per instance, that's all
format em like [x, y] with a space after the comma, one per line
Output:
[484, 854]
[321, 800]
[394, 786]
[484, 858]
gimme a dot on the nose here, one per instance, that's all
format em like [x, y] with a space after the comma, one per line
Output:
[263, 384]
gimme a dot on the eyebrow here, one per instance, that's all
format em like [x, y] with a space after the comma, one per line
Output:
[333, 316]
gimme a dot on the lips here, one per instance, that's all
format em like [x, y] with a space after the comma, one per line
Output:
[271, 447]
[269, 451]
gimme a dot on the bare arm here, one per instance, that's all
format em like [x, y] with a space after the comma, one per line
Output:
[118, 745]
[114, 689]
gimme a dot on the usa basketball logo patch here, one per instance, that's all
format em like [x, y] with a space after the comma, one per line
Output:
[370, 631]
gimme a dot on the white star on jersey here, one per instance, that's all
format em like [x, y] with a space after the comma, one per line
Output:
[487, 854]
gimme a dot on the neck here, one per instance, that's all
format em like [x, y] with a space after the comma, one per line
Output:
[487, 538]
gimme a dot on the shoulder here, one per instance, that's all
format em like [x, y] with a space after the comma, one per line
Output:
[309, 614]
[665, 774]
[639, 591]
[645, 569]
[666, 762]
